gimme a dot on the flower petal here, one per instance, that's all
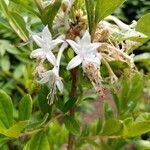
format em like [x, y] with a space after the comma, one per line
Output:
[74, 62]
[74, 46]
[47, 76]
[38, 40]
[93, 58]
[60, 85]
[54, 43]
[93, 46]
[86, 39]
[37, 53]
[46, 35]
[51, 57]
[43, 80]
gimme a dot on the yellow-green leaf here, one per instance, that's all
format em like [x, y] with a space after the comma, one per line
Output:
[18, 24]
[15, 130]
[6, 109]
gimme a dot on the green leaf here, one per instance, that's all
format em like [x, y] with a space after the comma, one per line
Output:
[99, 126]
[128, 121]
[19, 71]
[130, 93]
[143, 117]
[3, 140]
[38, 123]
[90, 13]
[118, 65]
[137, 129]
[6, 46]
[112, 127]
[88, 95]
[42, 100]
[116, 100]
[15, 130]
[6, 109]
[38, 142]
[5, 63]
[25, 108]
[107, 110]
[135, 87]
[143, 24]
[39, 5]
[72, 125]
[104, 146]
[145, 57]
[105, 8]
[124, 92]
[49, 13]
[143, 144]
[27, 6]
[4, 7]
[69, 104]
[19, 25]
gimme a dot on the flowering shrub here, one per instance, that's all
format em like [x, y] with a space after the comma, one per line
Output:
[81, 55]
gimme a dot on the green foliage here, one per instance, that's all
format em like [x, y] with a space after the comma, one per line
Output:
[18, 24]
[5, 64]
[50, 9]
[6, 110]
[16, 21]
[25, 108]
[142, 24]
[100, 9]
[90, 13]
[137, 128]
[105, 8]
[15, 130]
[31, 122]
[38, 142]
[107, 111]
[72, 125]
[42, 100]
[126, 101]
[112, 127]
[69, 104]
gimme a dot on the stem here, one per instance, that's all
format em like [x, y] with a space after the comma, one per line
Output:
[73, 94]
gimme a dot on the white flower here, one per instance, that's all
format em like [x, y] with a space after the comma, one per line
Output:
[52, 78]
[86, 52]
[54, 81]
[46, 45]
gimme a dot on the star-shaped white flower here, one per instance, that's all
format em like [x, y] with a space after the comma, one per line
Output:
[85, 50]
[54, 81]
[46, 44]
[52, 78]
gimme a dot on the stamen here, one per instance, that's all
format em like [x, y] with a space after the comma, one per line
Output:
[51, 95]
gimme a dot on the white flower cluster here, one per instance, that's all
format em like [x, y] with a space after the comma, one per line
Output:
[86, 54]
